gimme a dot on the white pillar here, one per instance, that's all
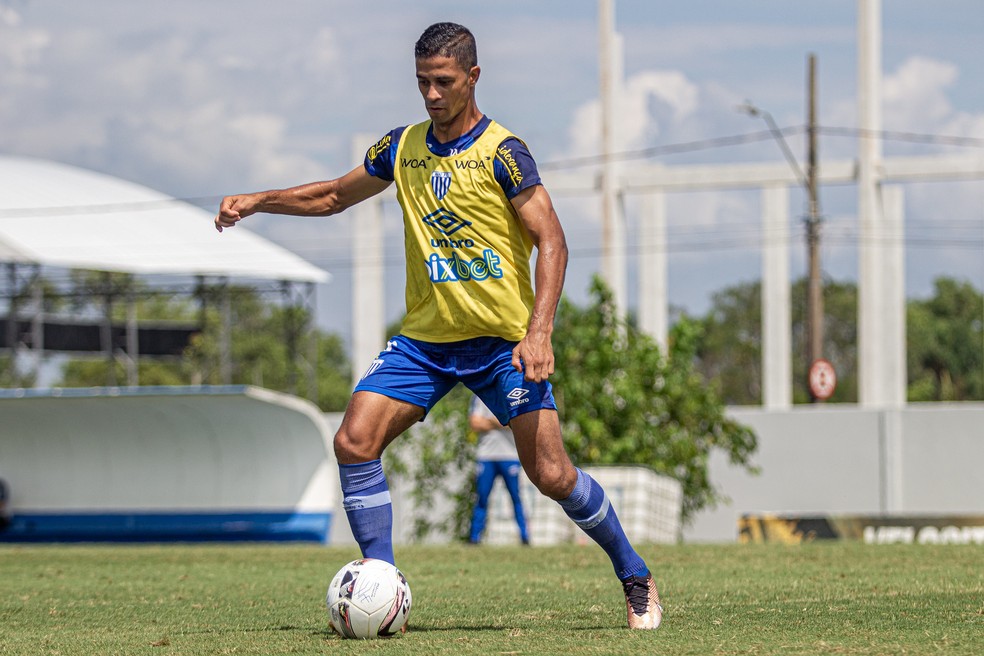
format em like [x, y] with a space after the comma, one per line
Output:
[896, 372]
[613, 266]
[777, 363]
[653, 299]
[872, 381]
[368, 323]
[890, 444]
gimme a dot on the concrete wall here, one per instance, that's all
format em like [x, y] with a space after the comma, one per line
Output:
[923, 459]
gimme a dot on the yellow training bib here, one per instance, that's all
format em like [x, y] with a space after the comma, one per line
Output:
[467, 253]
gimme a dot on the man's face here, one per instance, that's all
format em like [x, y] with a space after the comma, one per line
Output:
[445, 86]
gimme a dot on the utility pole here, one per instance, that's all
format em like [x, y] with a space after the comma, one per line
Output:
[814, 300]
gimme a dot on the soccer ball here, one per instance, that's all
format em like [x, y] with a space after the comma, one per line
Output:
[368, 598]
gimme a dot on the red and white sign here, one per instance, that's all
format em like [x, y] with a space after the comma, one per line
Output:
[823, 380]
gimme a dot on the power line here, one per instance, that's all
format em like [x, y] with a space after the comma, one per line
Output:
[912, 137]
[667, 149]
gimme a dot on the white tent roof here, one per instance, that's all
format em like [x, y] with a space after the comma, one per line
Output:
[58, 215]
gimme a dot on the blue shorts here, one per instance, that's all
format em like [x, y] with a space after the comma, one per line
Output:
[421, 373]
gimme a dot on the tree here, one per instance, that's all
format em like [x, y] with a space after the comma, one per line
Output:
[436, 459]
[945, 342]
[621, 401]
[729, 349]
[259, 347]
[840, 339]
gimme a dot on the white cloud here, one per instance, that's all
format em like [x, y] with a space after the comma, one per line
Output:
[9, 16]
[20, 53]
[647, 105]
[323, 53]
[187, 112]
[915, 95]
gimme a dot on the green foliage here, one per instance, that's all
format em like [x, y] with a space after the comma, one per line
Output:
[11, 376]
[945, 342]
[730, 347]
[259, 342]
[621, 401]
[436, 458]
[944, 336]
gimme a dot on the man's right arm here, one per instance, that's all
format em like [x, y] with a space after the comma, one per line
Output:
[314, 199]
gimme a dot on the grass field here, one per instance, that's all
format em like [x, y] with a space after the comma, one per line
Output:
[832, 598]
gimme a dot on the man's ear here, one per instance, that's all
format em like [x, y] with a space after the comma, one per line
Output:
[473, 75]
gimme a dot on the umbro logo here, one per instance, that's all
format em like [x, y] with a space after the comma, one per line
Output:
[516, 395]
[445, 221]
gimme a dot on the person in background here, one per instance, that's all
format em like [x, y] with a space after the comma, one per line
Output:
[495, 456]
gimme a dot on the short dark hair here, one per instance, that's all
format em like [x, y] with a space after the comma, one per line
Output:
[448, 40]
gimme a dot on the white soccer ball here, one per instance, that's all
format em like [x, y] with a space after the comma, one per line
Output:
[368, 598]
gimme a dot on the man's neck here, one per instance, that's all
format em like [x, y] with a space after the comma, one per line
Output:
[457, 126]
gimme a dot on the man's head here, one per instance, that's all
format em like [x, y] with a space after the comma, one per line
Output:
[448, 40]
[447, 71]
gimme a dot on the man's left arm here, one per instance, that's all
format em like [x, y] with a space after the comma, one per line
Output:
[534, 353]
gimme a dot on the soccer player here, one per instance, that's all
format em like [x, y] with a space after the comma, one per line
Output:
[473, 209]
[496, 457]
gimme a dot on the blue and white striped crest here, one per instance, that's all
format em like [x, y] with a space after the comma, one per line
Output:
[440, 183]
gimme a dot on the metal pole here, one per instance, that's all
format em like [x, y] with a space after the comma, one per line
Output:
[311, 330]
[37, 323]
[106, 330]
[11, 327]
[225, 332]
[132, 338]
[290, 334]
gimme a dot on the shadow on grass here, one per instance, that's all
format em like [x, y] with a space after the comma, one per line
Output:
[495, 629]
[328, 633]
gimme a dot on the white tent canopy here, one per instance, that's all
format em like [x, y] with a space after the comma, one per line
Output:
[58, 215]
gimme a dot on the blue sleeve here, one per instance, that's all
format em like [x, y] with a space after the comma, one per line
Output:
[514, 167]
[381, 158]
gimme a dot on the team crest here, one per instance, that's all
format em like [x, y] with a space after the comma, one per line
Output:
[440, 183]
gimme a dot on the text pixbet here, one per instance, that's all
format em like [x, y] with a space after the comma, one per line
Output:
[456, 269]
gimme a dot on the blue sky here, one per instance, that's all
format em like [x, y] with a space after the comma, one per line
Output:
[201, 99]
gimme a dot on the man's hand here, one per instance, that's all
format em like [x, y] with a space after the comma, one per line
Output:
[534, 357]
[234, 209]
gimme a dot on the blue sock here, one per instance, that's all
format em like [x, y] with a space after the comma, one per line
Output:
[589, 508]
[367, 503]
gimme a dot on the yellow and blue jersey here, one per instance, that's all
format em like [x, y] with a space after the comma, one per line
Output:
[467, 252]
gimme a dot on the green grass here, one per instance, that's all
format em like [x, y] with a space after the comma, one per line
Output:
[831, 598]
